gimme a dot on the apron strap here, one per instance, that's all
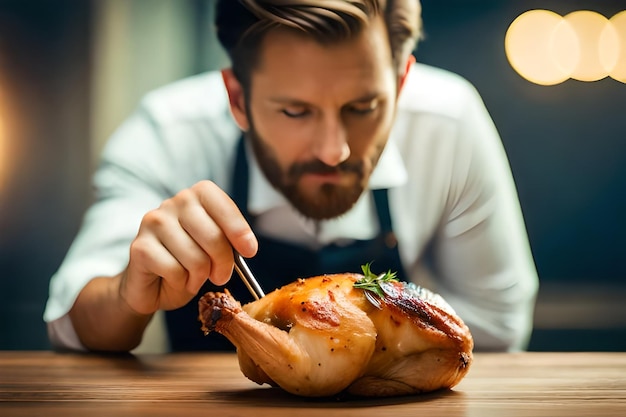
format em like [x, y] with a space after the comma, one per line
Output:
[239, 191]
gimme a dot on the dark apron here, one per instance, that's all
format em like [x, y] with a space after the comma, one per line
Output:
[278, 263]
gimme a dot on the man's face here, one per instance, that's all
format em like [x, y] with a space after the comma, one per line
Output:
[319, 116]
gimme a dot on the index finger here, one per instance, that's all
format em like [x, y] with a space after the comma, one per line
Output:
[225, 213]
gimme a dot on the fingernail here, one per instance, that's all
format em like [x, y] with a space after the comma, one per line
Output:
[250, 245]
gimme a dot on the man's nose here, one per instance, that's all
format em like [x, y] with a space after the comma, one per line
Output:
[331, 144]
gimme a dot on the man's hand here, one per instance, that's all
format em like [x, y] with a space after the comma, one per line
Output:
[188, 239]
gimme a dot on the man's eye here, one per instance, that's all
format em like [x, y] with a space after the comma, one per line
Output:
[295, 113]
[363, 109]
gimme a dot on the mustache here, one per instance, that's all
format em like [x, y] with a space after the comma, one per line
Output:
[319, 167]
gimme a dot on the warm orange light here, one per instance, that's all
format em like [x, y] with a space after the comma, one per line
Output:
[547, 49]
[3, 149]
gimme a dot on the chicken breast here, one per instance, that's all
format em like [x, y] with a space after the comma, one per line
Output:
[323, 335]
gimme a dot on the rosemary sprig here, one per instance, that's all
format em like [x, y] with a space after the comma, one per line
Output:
[371, 282]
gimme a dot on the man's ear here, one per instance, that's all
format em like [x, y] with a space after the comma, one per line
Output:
[409, 63]
[236, 99]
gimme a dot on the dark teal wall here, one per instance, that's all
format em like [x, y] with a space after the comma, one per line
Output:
[44, 69]
[566, 143]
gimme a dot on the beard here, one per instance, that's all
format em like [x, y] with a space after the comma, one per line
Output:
[328, 200]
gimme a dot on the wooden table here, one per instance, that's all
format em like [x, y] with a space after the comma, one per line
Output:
[204, 384]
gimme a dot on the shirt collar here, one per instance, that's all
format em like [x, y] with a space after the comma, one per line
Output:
[389, 172]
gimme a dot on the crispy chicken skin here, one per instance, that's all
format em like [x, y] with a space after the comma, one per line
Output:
[320, 336]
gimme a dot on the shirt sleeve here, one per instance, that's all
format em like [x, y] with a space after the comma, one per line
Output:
[482, 254]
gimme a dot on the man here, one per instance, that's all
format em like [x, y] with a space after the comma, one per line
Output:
[350, 153]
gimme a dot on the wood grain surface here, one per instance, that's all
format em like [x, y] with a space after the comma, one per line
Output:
[208, 384]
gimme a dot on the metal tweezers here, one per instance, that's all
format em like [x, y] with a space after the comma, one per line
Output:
[246, 276]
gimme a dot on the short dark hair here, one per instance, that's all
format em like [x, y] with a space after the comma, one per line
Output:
[242, 25]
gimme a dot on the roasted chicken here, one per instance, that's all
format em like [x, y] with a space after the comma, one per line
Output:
[360, 334]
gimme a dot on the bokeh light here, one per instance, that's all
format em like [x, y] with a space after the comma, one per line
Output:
[530, 42]
[589, 27]
[617, 25]
[546, 48]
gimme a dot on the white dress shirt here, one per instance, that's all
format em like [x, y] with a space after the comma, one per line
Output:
[452, 199]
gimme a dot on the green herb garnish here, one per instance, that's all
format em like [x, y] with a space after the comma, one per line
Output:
[371, 282]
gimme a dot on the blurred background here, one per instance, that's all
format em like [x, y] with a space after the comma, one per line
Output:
[72, 70]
